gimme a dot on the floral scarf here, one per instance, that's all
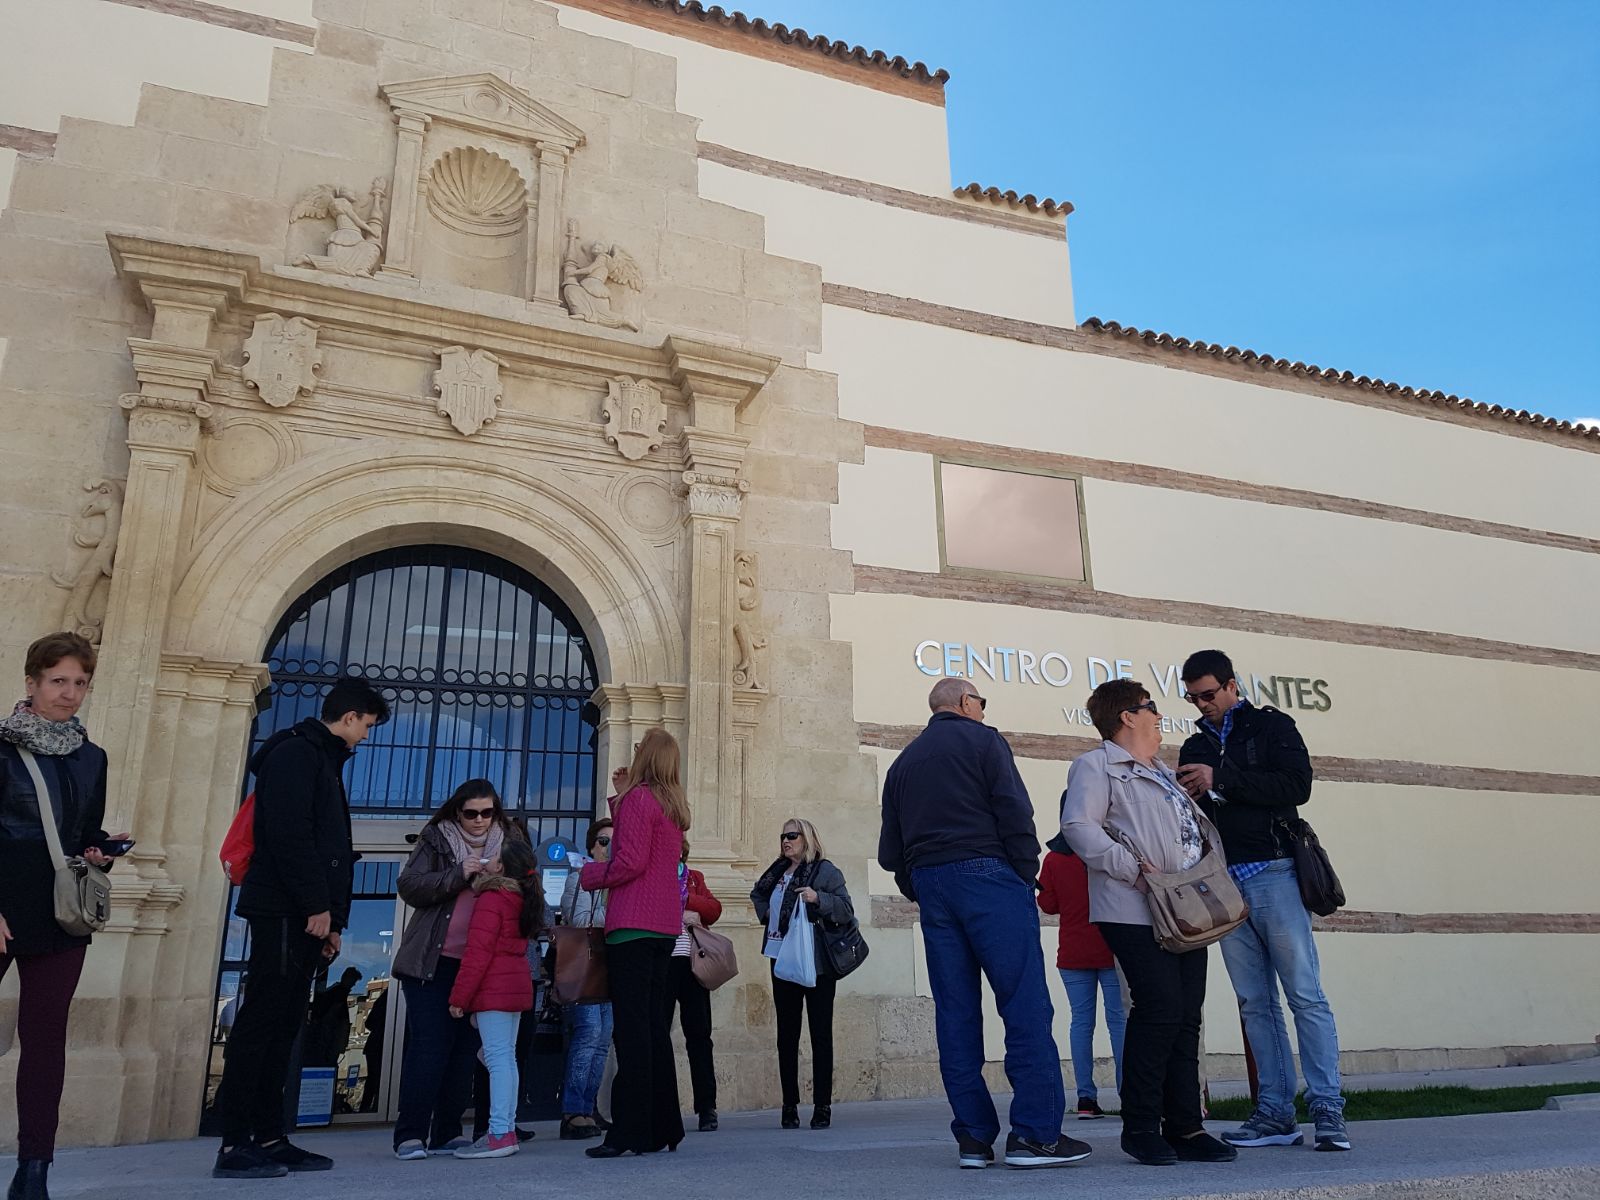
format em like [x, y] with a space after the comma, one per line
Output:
[28, 729]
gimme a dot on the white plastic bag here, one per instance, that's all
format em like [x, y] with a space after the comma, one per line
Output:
[797, 957]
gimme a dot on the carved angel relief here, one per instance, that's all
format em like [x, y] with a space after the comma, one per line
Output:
[635, 417]
[605, 289]
[99, 522]
[468, 386]
[749, 638]
[282, 359]
[353, 244]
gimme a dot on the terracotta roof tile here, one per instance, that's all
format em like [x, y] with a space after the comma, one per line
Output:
[1049, 207]
[716, 15]
[1166, 341]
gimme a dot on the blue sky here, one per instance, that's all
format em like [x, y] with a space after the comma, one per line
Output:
[1408, 189]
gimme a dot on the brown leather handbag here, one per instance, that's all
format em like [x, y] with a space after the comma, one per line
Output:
[580, 974]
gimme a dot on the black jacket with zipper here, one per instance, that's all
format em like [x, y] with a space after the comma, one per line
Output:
[303, 862]
[1264, 775]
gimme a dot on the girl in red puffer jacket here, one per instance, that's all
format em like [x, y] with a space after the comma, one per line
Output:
[495, 985]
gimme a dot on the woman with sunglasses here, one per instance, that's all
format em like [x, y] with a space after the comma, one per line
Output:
[802, 886]
[461, 842]
[588, 1025]
[1122, 794]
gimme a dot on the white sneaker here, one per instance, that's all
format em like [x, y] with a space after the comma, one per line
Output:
[410, 1151]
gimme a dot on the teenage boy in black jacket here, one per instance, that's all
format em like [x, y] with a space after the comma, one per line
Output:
[958, 835]
[296, 897]
[1249, 769]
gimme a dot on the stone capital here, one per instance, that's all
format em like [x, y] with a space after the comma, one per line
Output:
[717, 381]
[182, 373]
[167, 423]
[719, 496]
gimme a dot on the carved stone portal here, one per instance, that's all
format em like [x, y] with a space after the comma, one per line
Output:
[353, 244]
[749, 638]
[99, 522]
[468, 386]
[635, 417]
[605, 289]
[282, 359]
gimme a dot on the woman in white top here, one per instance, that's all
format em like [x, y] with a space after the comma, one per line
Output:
[803, 885]
[1119, 794]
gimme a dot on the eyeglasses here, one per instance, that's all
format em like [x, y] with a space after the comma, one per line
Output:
[983, 705]
[1204, 697]
[476, 814]
[790, 835]
[602, 841]
[1148, 706]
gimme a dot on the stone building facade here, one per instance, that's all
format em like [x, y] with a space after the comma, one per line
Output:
[672, 320]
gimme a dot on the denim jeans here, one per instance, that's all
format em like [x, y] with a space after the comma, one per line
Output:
[978, 916]
[499, 1033]
[588, 1044]
[436, 1067]
[1081, 987]
[1275, 944]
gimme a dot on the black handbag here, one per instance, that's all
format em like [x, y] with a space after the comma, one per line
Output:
[843, 947]
[1320, 889]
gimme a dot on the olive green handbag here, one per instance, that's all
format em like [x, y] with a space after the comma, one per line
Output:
[82, 890]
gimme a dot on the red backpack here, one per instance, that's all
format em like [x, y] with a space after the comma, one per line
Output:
[239, 844]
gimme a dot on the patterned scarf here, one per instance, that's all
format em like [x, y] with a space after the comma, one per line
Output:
[464, 847]
[26, 728]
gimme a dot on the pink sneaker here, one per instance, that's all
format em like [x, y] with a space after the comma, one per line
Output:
[491, 1145]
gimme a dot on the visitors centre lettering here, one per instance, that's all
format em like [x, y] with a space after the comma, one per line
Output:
[1013, 664]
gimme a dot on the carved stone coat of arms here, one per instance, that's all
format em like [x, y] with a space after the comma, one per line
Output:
[468, 387]
[281, 358]
[635, 417]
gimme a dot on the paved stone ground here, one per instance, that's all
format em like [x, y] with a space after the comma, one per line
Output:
[897, 1150]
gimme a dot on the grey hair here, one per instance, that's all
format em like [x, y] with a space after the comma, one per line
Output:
[947, 693]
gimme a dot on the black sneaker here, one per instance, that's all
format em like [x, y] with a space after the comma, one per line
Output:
[246, 1162]
[1020, 1152]
[1151, 1149]
[286, 1154]
[974, 1155]
[1089, 1110]
[1202, 1147]
[708, 1121]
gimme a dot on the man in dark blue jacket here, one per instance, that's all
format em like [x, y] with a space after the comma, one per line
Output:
[296, 897]
[958, 834]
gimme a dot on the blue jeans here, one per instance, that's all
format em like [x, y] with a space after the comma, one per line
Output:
[979, 916]
[1081, 988]
[1275, 944]
[499, 1033]
[588, 1043]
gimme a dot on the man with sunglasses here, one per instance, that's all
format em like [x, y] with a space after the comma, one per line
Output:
[1249, 769]
[958, 834]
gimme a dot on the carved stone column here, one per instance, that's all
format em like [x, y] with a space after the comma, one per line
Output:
[544, 257]
[407, 188]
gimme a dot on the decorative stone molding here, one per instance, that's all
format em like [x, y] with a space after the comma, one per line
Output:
[167, 422]
[282, 359]
[450, 131]
[635, 416]
[749, 637]
[98, 524]
[352, 244]
[468, 387]
[606, 288]
[715, 495]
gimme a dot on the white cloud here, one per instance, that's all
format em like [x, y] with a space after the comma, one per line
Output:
[1591, 422]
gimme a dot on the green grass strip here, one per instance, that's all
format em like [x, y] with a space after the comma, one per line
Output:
[1421, 1102]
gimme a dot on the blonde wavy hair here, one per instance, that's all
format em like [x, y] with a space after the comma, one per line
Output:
[655, 764]
[808, 835]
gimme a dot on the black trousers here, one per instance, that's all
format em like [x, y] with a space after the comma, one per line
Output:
[277, 992]
[1161, 1049]
[694, 1014]
[787, 1000]
[644, 1099]
[436, 1064]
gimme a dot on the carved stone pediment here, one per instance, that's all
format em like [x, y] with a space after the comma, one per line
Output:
[486, 103]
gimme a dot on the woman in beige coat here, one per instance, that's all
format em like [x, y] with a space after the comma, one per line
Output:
[1123, 793]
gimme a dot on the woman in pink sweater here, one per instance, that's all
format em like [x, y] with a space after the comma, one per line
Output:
[644, 915]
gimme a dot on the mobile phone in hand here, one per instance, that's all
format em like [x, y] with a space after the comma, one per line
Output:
[114, 847]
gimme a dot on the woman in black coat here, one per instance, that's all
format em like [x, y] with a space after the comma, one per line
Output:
[803, 885]
[59, 670]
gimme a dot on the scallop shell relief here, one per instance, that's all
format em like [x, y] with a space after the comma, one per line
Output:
[476, 191]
